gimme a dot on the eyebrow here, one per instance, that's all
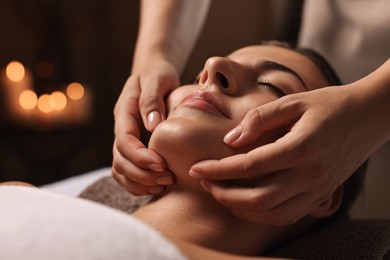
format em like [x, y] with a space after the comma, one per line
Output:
[271, 65]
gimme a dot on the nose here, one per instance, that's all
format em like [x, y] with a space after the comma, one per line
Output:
[219, 72]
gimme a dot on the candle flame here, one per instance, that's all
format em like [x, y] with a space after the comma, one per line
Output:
[15, 71]
[58, 101]
[75, 91]
[28, 100]
[44, 103]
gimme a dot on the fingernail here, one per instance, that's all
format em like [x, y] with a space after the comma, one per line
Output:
[233, 135]
[195, 174]
[205, 185]
[164, 180]
[157, 190]
[156, 167]
[154, 118]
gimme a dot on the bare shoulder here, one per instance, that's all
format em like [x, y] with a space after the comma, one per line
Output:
[16, 183]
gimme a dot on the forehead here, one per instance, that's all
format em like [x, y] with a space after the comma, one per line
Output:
[306, 69]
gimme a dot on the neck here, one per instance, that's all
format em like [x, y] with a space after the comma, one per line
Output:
[193, 215]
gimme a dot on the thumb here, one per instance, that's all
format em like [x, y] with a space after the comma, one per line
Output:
[154, 89]
[274, 115]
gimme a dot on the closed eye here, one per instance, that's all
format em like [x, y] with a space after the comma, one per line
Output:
[272, 87]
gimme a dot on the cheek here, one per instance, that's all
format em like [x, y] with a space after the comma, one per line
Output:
[243, 106]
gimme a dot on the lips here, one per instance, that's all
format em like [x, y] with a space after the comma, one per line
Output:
[205, 101]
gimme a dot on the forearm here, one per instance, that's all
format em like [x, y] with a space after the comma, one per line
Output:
[373, 91]
[168, 31]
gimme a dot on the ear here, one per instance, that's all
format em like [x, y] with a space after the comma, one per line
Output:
[330, 206]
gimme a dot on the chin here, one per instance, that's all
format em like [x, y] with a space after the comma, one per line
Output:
[181, 142]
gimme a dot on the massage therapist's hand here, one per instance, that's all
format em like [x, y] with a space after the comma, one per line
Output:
[327, 141]
[136, 168]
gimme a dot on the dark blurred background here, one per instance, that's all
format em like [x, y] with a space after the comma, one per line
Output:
[91, 42]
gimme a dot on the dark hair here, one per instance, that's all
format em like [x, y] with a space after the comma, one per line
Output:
[324, 66]
[354, 184]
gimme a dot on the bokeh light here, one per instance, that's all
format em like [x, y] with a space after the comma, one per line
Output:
[15, 71]
[75, 91]
[28, 100]
[58, 100]
[44, 103]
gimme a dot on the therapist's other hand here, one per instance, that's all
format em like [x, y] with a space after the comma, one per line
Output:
[326, 142]
[141, 103]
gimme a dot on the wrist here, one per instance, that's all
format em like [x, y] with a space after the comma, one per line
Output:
[372, 93]
[160, 53]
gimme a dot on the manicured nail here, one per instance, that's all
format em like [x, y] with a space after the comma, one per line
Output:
[195, 174]
[205, 185]
[156, 167]
[154, 118]
[164, 180]
[233, 135]
[157, 190]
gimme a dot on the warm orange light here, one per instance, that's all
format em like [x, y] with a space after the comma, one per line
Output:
[58, 100]
[28, 100]
[15, 71]
[44, 103]
[75, 91]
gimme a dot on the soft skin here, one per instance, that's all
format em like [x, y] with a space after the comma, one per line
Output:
[198, 117]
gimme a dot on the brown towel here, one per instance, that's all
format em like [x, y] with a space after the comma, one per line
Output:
[342, 239]
[108, 192]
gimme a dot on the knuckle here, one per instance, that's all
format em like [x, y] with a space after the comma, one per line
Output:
[114, 173]
[117, 177]
[254, 116]
[220, 197]
[249, 168]
[150, 100]
[117, 167]
[117, 148]
[130, 186]
[121, 143]
[261, 202]
[257, 203]
[144, 178]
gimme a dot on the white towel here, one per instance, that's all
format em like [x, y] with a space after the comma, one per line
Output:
[37, 224]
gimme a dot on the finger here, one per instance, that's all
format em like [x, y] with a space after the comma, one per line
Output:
[279, 114]
[127, 129]
[262, 160]
[152, 108]
[287, 213]
[133, 150]
[136, 188]
[151, 104]
[126, 111]
[140, 175]
[266, 194]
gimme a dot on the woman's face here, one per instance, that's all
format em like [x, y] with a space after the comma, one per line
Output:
[199, 115]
